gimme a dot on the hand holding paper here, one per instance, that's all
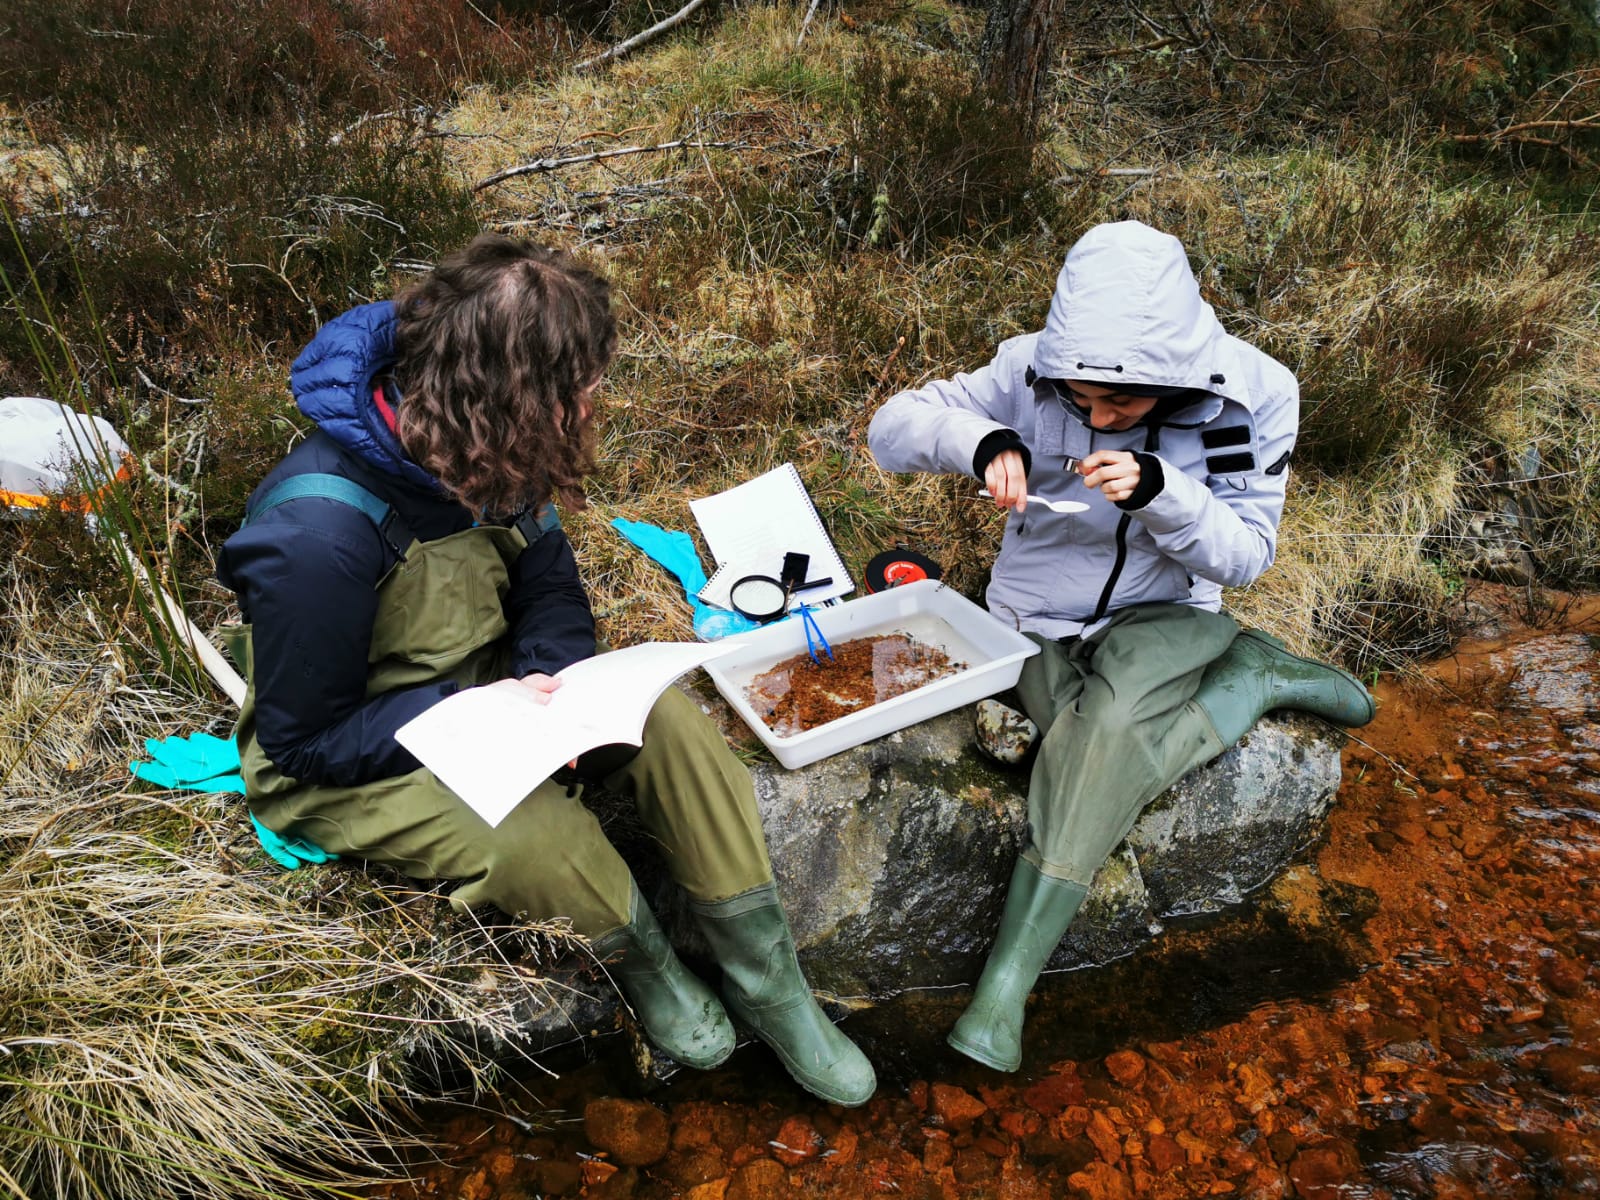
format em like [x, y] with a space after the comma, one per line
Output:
[493, 745]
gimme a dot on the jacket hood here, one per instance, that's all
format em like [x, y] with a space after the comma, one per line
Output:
[333, 381]
[1127, 309]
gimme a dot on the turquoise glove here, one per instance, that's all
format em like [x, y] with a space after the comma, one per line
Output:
[289, 853]
[191, 760]
[166, 777]
[675, 551]
[203, 763]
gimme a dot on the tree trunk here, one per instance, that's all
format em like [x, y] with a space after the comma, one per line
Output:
[1017, 50]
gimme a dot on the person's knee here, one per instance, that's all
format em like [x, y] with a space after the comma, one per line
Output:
[1103, 714]
[673, 717]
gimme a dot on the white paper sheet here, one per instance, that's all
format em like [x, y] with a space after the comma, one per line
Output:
[749, 528]
[492, 745]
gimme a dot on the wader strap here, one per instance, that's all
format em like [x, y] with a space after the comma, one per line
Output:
[321, 486]
[534, 523]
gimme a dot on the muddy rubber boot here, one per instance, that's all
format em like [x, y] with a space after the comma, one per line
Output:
[679, 1011]
[1038, 910]
[764, 988]
[1258, 673]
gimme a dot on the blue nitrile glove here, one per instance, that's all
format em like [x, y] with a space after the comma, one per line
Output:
[675, 551]
[290, 853]
[164, 776]
[204, 763]
[198, 763]
[193, 759]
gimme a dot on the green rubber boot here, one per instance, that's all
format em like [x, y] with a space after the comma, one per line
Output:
[1258, 673]
[1038, 910]
[679, 1012]
[764, 988]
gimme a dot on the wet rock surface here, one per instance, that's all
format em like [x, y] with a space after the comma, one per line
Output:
[1396, 1019]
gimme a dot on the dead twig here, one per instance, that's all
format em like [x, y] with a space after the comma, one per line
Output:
[639, 39]
[540, 166]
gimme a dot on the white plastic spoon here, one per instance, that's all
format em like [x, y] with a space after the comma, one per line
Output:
[1060, 506]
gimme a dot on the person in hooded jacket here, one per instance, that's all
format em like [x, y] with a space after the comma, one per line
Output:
[1178, 437]
[407, 549]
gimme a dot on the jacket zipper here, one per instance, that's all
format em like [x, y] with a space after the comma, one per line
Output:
[1152, 442]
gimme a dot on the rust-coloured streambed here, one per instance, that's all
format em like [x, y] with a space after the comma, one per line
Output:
[1413, 1012]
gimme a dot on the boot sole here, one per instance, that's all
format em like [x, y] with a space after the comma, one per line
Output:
[707, 1064]
[795, 1072]
[979, 1056]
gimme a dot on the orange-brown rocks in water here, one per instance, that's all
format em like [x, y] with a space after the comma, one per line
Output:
[842, 1147]
[797, 1141]
[1321, 1172]
[597, 1174]
[632, 1132]
[798, 694]
[1056, 1091]
[956, 1108]
[1256, 1089]
[1126, 1067]
[1103, 1134]
[759, 1180]
[917, 1093]
[938, 1153]
[691, 1168]
[1563, 975]
[1100, 1181]
[1572, 1069]
[1019, 1124]
[1164, 1153]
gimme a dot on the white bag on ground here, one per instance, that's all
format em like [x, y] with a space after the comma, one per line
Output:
[46, 448]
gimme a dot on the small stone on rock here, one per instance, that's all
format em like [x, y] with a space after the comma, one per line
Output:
[1004, 734]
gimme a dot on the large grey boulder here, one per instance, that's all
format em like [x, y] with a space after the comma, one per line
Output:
[893, 857]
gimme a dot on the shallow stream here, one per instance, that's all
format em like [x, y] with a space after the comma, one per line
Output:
[1414, 1011]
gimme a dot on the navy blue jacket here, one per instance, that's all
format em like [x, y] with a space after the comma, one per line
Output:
[307, 573]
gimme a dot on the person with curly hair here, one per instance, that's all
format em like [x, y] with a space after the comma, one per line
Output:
[409, 548]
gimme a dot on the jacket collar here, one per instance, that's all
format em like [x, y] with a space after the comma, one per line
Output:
[333, 381]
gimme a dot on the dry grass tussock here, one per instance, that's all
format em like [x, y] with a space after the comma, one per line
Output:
[178, 1018]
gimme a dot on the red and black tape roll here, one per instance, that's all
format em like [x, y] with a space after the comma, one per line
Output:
[898, 566]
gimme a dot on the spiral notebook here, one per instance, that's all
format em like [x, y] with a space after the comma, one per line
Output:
[749, 528]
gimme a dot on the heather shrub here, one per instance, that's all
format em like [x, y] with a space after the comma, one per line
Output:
[933, 155]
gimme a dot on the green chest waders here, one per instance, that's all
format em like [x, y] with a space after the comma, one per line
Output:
[440, 616]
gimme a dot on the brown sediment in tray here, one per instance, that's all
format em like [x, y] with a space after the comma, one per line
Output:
[797, 694]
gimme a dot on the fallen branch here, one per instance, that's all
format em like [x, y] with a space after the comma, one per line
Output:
[1506, 137]
[1494, 135]
[418, 114]
[1119, 51]
[639, 39]
[1135, 172]
[806, 24]
[542, 165]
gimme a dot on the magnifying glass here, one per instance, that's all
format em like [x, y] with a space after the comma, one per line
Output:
[759, 598]
[762, 599]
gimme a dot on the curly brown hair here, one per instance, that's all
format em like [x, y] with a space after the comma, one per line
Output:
[495, 350]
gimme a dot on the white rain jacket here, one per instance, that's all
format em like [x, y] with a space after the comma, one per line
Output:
[1126, 310]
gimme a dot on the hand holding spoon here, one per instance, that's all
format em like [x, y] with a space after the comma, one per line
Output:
[1060, 506]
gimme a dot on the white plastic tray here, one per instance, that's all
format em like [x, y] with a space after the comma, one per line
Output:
[927, 610]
